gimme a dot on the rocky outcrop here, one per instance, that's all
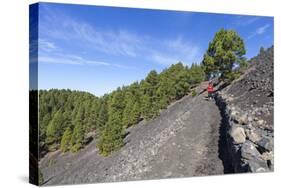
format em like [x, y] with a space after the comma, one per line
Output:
[247, 107]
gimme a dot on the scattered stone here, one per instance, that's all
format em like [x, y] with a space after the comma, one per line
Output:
[258, 165]
[243, 119]
[267, 156]
[266, 144]
[238, 134]
[252, 135]
[229, 99]
[234, 114]
[260, 122]
[249, 151]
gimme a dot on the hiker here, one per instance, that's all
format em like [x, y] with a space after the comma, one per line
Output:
[210, 90]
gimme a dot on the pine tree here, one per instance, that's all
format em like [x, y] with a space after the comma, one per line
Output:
[224, 51]
[196, 74]
[54, 129]
[135, 115]
[102, 116]
[127, 114]
[65, 141]
[77, 138]
[111, 137]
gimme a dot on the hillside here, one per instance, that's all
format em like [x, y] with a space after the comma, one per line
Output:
[68, 119]
[181, 142]
[192, 137]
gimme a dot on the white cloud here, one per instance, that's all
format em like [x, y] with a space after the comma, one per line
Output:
[46, 46]
[259, 31]
[74, 60]
[184, 49]
[163, 60]
[246, 20]
[118, 42]
[262, 29]
[58, 60]
[176, 50]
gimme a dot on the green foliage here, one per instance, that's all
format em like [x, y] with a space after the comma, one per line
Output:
[61, 111]
[232, 76]
[193, 93]
[196, 75]
[65, 141]
[224, 52]
[55, 128]
[244, 64]
[77, 138]
[102, 115]
[111, 137]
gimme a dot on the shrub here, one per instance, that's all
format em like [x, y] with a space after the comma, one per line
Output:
[193, 93]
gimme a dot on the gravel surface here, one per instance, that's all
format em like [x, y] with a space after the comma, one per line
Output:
[182, 142]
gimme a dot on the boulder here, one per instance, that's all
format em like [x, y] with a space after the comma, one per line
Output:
[243, 119]
[260, 122]
[253, 135]
[238, 134]
[267, 156]
[250, 119]
[266, 143]
[249, 151]
[258, 165]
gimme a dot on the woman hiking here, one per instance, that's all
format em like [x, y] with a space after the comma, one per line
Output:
[210, 90]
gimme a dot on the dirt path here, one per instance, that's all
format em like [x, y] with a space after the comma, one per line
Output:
[183, 141]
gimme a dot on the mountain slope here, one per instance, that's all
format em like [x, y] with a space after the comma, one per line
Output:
[182, 141]
[192, 137]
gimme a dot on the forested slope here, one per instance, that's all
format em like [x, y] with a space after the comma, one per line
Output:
[66, 117]
[182, 141]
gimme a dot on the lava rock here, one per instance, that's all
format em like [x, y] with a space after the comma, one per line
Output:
[249, 151]
[260, 122]
[243, 119]
[266, 144]
[267, 156]
[253, 135]
[238, 135]
[258, 165]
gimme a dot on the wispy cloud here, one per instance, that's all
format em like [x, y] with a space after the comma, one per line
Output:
[116, 42]
[259, 31]
[162, 59]
[245, 21]
[176, 50]
[75, 60]
[262, 29]
[119, 42]
[46, 46]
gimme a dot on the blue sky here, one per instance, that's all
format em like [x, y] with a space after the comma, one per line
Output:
[97, 49]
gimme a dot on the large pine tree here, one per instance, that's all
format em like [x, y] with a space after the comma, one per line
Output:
[111, 137]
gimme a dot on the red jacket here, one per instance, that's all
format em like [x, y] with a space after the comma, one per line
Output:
[210, 89]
